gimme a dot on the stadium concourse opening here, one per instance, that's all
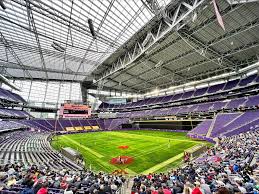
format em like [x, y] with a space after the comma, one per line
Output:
[119, 97]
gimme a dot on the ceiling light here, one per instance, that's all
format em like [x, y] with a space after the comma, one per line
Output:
[91, 27]
[159, 64]
[194, 16]
[156, 91]
[2, 4]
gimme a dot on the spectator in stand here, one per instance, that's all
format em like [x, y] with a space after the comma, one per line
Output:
[228, 167]
[68, 190]
[35, 180]
[43, 189]
[197, 189]
[28, 187]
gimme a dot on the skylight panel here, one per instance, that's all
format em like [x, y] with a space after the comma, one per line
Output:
[114, 22]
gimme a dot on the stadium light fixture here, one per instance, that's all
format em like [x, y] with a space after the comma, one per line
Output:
[2, 4]
[194, 16]
[156, 91]
[91, 27]
[159, 64]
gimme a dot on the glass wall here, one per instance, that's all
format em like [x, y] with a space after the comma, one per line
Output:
[49, 93]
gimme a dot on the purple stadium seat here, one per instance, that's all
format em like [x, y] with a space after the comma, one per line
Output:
[215, 88]
[231, 84]
[200, 91]
[247, 80]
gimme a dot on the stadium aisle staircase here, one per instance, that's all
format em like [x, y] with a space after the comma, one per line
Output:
[219, 121]
[227, 124]
[211, 126]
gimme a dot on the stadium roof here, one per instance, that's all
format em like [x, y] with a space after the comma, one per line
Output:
[193, 46]
[135, 49]
[29, 28]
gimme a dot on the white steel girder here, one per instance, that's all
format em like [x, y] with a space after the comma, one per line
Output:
[181, 14]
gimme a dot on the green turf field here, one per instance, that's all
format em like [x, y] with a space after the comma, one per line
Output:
[150, 149]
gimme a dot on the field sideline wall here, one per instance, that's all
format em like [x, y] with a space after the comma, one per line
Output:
[167, 124]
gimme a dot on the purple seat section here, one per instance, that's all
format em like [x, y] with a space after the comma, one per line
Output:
[218, 105]
[65, 123]
[10, 96]
[243, 119]
[236, 103]
[176, 97]
[202, 128]
[151, 101]
[247, 80]
[252, 101]
[166, 99]
[75, 122]
[216, 88]
[100, 123]
[220, 121]
[204, 107]
[231, 84]
[187, 94]
[200, 91]
[251, 126]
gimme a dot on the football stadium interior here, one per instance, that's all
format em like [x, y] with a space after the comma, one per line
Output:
[129, 96]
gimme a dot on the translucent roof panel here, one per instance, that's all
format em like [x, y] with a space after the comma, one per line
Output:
[30, 28]
[47, 91]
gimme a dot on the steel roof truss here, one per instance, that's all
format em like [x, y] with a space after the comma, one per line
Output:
[180, 16]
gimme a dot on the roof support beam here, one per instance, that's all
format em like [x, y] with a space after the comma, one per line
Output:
[232, 52]
[177, 74]
[175, 25]
[196, 29]
[135, 76]
[188, 39]
[15, 56]
[197, 76]
[233, 2]
[52, 53]
[224, 12]
[207, 46]
[33, 26]
[148, 81]
[47, 10]
[118, 83]
[48, 37]
[11, 65]
[44, 79]
[228, 35]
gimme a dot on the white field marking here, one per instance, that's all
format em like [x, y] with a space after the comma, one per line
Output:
[164, 163]
[133, 134]
[84, 147]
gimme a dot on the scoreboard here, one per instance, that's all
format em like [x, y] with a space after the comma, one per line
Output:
[68, 110]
